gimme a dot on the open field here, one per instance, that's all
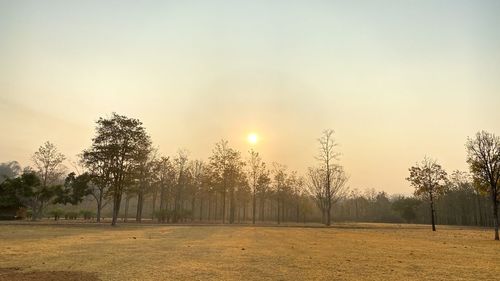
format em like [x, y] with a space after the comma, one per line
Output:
[343, 252]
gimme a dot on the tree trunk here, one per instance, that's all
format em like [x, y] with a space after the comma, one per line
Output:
[224, 207]
[201, 208]
[140, 204]
[495, 212]
[254, 203]
[155, 194]
[99, 205]
[117, 199]
[432, 214]
[127, 201]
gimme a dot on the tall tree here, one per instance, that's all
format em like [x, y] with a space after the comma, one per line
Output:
[430, 181]
[48, 166]
[227, 167]
[256, 170]
[483, 157]
[326, 197]
[120, 144]
[327, 155]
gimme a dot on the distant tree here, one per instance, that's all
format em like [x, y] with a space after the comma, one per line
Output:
[164, 177]
[144, 178]
[9, 170]
[226, 166]
[406, 206]
[256, 170]
[483, 157]
[119, 146]
[326, 156]
[430, 181]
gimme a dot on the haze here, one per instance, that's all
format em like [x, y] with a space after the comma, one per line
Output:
[396, 80]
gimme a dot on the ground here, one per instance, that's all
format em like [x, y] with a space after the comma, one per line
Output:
[154, 252]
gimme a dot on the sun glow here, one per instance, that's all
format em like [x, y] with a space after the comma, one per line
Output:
[252, 138]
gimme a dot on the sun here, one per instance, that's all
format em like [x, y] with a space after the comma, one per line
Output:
[252, 138]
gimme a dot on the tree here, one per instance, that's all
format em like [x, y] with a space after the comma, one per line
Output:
[326, 197]
[483, 157]
[118, 148]
[226, 166]
[30, 192]
[256, 171]
[164, 177]
[48, 163]
[430, 181]
[74, 190]
[326, 157]
[144, 171]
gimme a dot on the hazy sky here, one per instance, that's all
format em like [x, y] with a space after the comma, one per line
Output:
[396, 80]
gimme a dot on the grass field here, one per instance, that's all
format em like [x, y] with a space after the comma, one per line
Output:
[343, 252]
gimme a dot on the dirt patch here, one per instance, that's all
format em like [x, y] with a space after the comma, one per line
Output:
[16, 274]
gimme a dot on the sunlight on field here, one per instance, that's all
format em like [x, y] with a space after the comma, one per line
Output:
[345, 252]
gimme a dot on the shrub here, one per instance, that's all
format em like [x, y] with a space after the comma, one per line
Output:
[71, 215]
[87, 215]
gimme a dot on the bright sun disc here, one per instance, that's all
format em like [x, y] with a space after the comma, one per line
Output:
[252, 138]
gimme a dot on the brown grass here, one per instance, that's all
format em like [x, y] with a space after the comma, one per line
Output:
[345, 252]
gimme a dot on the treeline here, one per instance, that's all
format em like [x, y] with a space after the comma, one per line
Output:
[124, 176]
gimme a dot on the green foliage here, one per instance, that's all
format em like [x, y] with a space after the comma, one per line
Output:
[74, 190]
[87, 215]
[71, 215]
[56, 213]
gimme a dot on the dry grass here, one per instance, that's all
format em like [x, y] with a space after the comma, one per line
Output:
[345, 252]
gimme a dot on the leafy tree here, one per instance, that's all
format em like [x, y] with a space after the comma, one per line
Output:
[74, 190]
[430, 181]
[28, 190]
[483, 157]
[118, 148]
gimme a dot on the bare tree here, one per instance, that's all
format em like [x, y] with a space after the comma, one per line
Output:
[430, 181]
[483, 156]
[326, 156]
[326, 197]
[48, 164]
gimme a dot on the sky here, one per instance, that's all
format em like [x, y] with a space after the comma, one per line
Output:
[396, 80]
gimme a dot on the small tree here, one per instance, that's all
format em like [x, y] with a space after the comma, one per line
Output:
[483, 156]
[430, 181]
